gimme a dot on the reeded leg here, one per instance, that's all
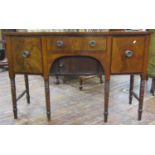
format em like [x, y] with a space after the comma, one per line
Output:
[47, 94]
[141, 97]
[106, 99]
[13, 91]
[101, 80]
[131, 88]
[27, 88]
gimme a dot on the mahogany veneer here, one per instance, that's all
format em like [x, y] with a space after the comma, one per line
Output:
[115, 52]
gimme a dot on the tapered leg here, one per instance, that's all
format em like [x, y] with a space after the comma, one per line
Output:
[47, 94]
[141, 97]
[131, 88]
[13, 91]
[106, 99]
[27, 88]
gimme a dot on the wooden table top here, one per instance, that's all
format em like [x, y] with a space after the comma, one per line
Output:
[113, 33]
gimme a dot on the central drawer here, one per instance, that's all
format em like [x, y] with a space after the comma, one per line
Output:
[76, 43]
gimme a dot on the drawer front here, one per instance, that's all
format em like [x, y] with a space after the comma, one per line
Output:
[76, 43]
[27, 55]
[127, 54]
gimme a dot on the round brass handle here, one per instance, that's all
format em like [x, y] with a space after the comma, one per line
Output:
[60, 44]
[92, 43]
[26, 54]
[129, 53]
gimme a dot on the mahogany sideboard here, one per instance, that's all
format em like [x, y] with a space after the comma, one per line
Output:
[36, 53]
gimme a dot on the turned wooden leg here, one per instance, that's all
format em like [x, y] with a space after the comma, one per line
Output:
[13, 91]
[131, 88]
[106, 99]
[81, 84]
[27, 88]
[153, 87]
[101, 80]
[47, 95]
[141, 96]
[57, 79]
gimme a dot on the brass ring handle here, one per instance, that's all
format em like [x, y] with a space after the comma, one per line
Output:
[26, 54]
[60, 44]
[129, 53]
[92, 43]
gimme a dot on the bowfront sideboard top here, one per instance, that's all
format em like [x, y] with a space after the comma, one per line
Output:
[116, 53]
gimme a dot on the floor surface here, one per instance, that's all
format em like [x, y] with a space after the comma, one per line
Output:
[70, 106]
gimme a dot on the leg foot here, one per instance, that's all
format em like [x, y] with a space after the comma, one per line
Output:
[15, 113]
[48, 116]
[105, 117]
[81, 84]
[139, 115]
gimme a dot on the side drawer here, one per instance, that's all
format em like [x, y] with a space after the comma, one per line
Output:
[76, 43]
[27, 57]
[127, 54]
